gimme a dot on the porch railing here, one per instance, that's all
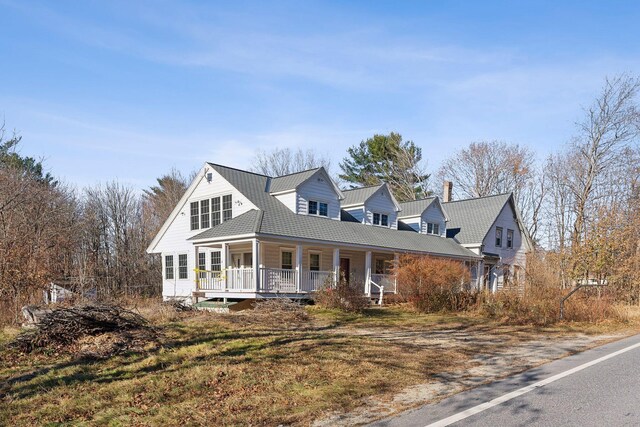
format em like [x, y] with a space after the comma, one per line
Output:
[230, 279]
[386, 280]
[278, 280]
[315, 280]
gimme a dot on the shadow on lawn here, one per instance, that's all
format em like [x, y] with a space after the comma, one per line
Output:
[174, 355]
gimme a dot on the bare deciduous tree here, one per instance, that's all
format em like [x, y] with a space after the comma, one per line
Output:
[284, 161]
[489, 168]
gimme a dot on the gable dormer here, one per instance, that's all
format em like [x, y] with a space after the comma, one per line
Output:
[373, 205]
[425, 216]
[311, 192]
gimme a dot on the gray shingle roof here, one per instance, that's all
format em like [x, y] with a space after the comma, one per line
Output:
[471, 219]
[357, 196]
[291, 181]
[278, 220]
[415, 208]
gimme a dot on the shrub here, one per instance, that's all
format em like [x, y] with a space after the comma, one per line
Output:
[344, 296]
[434, 284]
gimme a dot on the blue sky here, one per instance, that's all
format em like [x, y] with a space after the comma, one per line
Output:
[127, 90]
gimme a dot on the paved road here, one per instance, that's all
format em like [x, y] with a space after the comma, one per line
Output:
[599, 387]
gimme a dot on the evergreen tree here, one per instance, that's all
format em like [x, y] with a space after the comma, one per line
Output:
[387, 158]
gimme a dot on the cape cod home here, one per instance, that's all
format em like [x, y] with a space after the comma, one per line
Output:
[241, 235]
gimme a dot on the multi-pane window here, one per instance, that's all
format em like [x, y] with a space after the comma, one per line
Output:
[433, 228]
[318, 208]
[226, 207]
[499, 237]
[380, 219]
[202, 264]
[215, 211]
[182, 267]
[509, 238]
[168, 267]
[314, 262]
[195, 217]
[287, 260]
[204, 214]
[216, 261]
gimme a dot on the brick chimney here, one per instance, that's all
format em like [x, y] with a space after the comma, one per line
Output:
[448, 190]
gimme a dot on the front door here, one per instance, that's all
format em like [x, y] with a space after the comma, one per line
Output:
[345, 268]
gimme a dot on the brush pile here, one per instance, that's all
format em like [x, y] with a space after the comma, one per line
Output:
[92, 331]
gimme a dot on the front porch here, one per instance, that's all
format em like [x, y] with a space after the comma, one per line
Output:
[256, 268]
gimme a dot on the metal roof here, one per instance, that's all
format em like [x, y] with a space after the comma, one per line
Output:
[278, 221]
[415, 207]
[291, 181]
[358, 196]
[470, 220]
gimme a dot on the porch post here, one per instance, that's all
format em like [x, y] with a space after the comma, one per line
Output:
[224, 251]
[298, 268]
[336, 265]
[256, 263]
[196, 266]
[367, 273]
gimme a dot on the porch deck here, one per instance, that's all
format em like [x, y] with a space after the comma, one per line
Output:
[279, 281]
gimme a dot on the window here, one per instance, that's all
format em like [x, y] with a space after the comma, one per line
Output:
[380, 219]
[202, 264]
[195, 217]
[287, 260]
[216, 261]
[499, 237]
[379, 266]
[168, 267]
[215, 211]
[182, 267]
[318, 208]
[323, 209]
[509, 238]
[433, 228]
[226, 208]
[205, 220]
[314, 262]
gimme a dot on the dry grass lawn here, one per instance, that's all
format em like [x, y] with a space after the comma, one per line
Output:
[230, 370]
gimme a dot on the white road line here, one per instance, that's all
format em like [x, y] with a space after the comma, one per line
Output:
[506, 397]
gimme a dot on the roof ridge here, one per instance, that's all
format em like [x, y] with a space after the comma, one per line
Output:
[238, 169]
[364, 187]
[418, 200]
[479, 198]
[296, 173]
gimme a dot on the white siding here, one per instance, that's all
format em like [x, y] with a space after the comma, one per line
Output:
[381, 202]
[289, 200]
[357, 212]
[434, 215]
[318, 188]
[509, 256]
[174, 240]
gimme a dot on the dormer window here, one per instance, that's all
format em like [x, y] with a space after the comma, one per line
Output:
[380, 219]
[433, 228]
[318, 208]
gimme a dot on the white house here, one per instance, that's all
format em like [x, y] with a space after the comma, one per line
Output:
[491, 227]
[240, 235]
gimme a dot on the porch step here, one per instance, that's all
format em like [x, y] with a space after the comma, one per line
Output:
[224, 307]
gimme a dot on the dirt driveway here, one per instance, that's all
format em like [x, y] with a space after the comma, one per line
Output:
[493, 354]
